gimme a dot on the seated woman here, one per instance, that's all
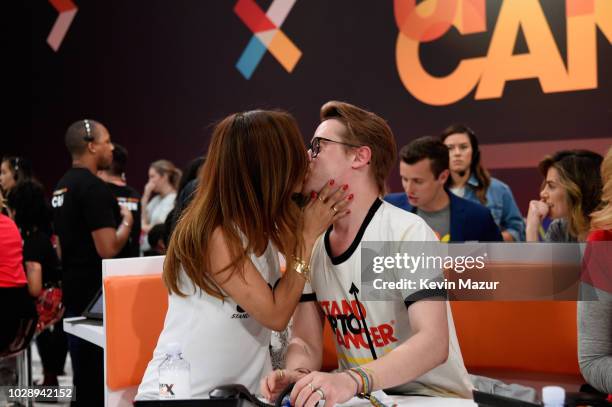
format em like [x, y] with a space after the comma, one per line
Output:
[31, 213]
[470, 180]
[18, 321]
[595, 314]
[222, 260]
[571, 191]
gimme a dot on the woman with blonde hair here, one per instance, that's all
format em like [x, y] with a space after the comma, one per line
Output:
[602, 218]
[571, 191]
[163, 181]
[222, 260]
[158, 197]
[595, 314]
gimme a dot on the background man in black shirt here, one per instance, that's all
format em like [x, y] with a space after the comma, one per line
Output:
[85, 214]
[116, 180]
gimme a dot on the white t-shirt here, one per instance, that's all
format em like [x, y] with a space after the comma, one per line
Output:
[221, 342]
[387, 321]
[157, 211]
[158, 208]
[459, 191]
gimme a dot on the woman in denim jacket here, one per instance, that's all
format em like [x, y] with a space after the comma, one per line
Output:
[471, 181]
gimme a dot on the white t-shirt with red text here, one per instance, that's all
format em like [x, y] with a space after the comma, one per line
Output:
[336, 282]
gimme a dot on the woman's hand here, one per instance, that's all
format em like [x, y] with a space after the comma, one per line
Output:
[334, 388]
[276, 381]
[148, 189]
[324, 208]
[537, 211]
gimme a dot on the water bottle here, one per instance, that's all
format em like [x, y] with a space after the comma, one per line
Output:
[553, 396]
[174, 377]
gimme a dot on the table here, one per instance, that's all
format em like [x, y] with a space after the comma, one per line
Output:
[87, 329]
[408, 401]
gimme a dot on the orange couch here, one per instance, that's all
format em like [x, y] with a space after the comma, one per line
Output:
[135, 309]
[519, 336]
[507, 336]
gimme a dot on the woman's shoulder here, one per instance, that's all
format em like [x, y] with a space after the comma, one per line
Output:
[599, 235]
[168, 199]
[218, 238]
[499, 186]
[558, 232]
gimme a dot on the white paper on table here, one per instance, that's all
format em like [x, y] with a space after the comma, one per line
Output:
[356, 401]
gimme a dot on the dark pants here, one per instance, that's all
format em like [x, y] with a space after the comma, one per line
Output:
[53, 347]
[87, 370]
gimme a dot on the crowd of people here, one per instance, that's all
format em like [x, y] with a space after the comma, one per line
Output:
[223, 221]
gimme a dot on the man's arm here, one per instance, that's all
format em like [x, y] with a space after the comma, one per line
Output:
[34, 277]
[110, 241]
[426, 349]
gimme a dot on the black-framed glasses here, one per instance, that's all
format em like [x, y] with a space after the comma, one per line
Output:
[315, 145]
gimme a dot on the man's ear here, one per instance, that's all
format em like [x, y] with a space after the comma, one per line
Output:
[444, 176]
[363, 156]
[91, 148]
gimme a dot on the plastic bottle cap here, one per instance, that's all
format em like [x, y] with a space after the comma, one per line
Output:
[553, 395]
[173, 348]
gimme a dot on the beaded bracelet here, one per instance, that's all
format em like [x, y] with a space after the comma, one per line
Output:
[371, 373]
[365, 380]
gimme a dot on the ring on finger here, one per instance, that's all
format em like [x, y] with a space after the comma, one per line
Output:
[312, 389]
[321, 393]
[280, 373]
[320, 198]
[334, 209]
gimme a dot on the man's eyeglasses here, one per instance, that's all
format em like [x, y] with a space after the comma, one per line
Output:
[315, 145]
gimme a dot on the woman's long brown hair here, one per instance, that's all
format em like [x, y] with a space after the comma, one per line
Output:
[482, 175]
[579, 175]
[255, 161]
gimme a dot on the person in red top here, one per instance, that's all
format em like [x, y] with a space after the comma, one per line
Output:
[11, 255]
[14, 294]
[595, 311]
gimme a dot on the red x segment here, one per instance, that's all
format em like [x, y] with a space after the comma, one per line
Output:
[253, 16]
[62, 5]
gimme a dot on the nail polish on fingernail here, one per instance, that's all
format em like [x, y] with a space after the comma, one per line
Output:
[348, 211]
[313, 195]
[350, 197]
[331, 182]
[345, 187]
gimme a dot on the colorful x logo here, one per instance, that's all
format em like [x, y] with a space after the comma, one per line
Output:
[67, 10]
[266, 35]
